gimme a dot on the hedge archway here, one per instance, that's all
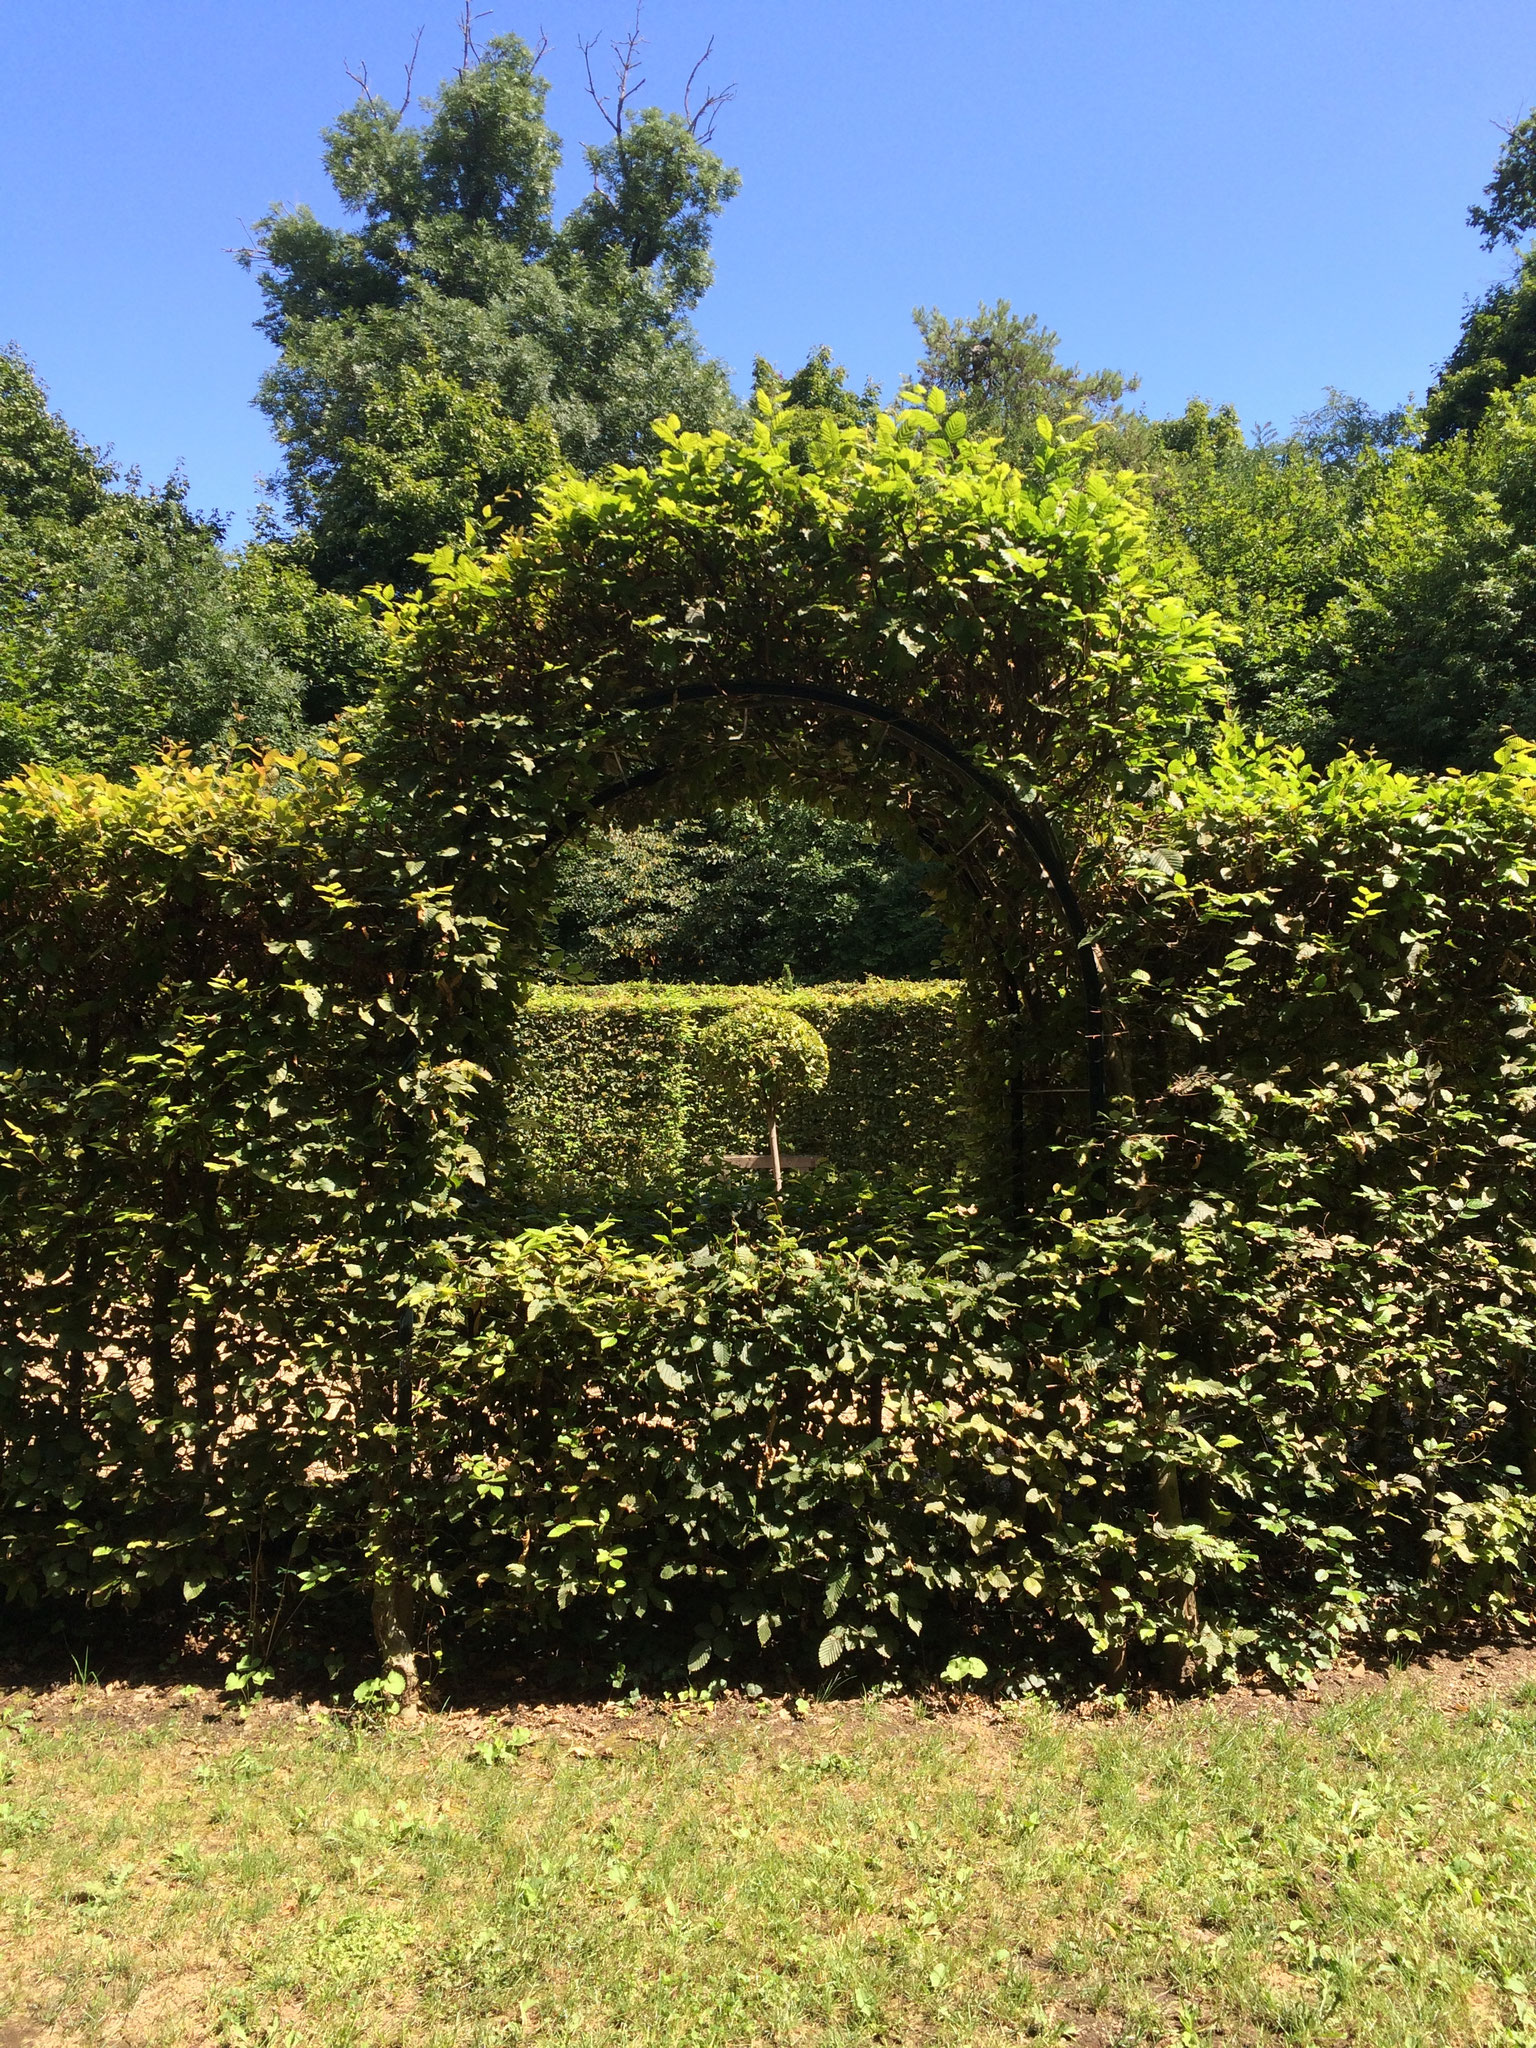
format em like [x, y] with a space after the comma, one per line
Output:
[261, 1286]
[894, 623]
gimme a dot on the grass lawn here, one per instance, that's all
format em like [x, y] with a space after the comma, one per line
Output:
[1356, 1866]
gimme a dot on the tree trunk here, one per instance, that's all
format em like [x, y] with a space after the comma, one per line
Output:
[205, 1344]
[394, 1628]
[394, 1592]
[1015, 1163]
[1178, 1664]
[162, 1359]
[75, 1337]
[773, 1154]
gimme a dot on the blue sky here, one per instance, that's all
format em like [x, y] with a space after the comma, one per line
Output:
[1236, 198]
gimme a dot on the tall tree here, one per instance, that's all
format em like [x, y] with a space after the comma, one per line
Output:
[1496, 350]
[814, 398]
[1381, 591]
[124, 625]
[1511, 192]
[1004, 368]
[1433, 644]
[1258, 534]
[454, 343]
[746, 895]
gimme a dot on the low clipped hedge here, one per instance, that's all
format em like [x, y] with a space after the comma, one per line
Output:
[769, 1452]
[832, 1451]
[608, 1101]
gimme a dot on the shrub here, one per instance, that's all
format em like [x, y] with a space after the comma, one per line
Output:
[720, 1453]
[234, 1116]
[844, 1452]
[758, 1057]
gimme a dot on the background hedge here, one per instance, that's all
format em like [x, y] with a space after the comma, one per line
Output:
[607, 1103]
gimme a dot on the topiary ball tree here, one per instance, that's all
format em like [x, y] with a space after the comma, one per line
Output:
[757, 1056]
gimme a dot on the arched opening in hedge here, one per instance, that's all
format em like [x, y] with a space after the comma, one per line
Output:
[999, 838]
[896, 626]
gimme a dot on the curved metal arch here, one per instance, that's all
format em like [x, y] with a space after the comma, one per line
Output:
[1035, 829]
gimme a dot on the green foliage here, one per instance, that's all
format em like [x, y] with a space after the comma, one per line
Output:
[222, 1068]
[1251, 1374]
[45, 470]
[652, 643]
[1260, 1382]
[1260, 535]
[125, 630]
[1278, 1359]
[1248, 1372]
[443, 352]
[123, 625]
[1003, 367]
[1378, 591]
[655, 193]
[905, 562]
[410, 458]
[1200, 432]
[1511, 191]
[815, 397]
[758, 1057]
[1495, 353]
[327, 642]
[1433, 639]
[608, 1102]
[1496, 350]
[594, 659]
[749, 894]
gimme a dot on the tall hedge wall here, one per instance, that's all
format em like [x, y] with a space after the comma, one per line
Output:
[1258, 1376]
[606, 1100]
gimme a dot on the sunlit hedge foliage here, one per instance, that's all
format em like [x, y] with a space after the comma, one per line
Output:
[607, 1103]
[1258, 1376]
[1250, 1370]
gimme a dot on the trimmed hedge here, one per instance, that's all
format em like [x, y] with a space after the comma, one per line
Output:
[1260, 1377]
[607, 1102]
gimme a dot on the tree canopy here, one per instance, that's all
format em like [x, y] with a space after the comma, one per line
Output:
[122, 623]
[1511, 191]
[1004, 368]
[1496, 350]
[746, 895]
[1377, 586]
[455, 343]
[451, 348]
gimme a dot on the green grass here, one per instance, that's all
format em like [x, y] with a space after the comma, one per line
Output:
[1363, 1870]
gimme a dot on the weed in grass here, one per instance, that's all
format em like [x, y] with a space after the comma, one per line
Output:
[501, 1749]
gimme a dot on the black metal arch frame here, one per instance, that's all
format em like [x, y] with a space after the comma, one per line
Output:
[1030, 825]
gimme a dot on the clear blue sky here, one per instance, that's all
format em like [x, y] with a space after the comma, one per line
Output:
[1243, 199]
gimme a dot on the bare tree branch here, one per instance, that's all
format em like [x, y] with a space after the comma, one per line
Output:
[536, 57]
[410, 69]
[467, 20]
[709, 51]
[586, 48]
[701, 122]
[626, 64]
[360, 79]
